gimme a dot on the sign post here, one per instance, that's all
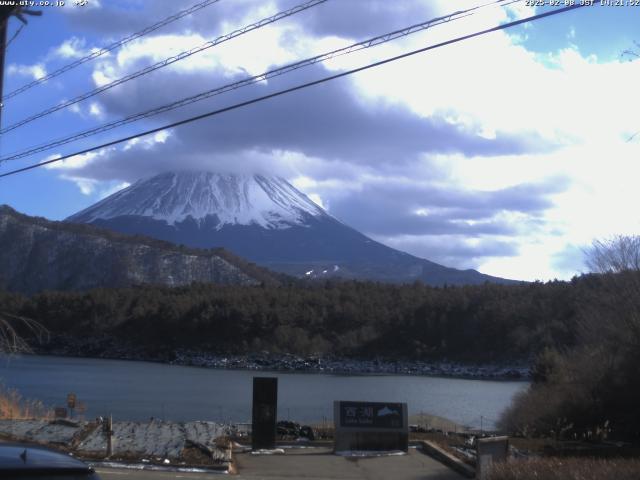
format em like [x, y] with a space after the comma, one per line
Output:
[60, 412]
[374, 426]
[265, 408]
[71, 403]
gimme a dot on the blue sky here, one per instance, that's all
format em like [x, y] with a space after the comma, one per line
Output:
[507, 153]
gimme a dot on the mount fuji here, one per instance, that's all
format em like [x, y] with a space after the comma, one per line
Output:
[267, 221]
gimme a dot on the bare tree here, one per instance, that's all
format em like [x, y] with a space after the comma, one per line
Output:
[11, 340]
[616, 254]
[632, 53]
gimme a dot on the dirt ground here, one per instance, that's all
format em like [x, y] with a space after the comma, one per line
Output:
[319, 463]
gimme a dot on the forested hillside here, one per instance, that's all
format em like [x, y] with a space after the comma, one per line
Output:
[473, 323]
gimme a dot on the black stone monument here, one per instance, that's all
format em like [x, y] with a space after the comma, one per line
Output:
[265, 406]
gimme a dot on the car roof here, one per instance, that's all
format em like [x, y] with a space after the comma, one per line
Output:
[15, 457]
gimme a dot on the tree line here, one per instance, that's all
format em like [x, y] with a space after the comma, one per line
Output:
[591, 388]
[481, 323]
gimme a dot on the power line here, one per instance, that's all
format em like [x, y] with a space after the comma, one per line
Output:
[300, 87]
[14, 36]
[168, 61]
[255, 79]
[113, 46]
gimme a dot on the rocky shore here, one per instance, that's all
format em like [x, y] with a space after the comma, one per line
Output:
[349, 366]
[109, 347]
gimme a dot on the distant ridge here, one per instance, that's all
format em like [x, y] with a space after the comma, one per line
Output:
[38, 254]
[266, 220]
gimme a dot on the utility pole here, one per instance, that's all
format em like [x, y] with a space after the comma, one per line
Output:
[4, 22]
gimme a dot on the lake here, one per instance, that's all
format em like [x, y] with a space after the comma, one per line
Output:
[139, 390]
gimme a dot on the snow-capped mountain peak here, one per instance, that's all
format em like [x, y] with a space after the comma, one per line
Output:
[266, 221]
[269, 202]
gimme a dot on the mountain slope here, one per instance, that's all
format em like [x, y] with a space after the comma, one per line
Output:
[37, 254]
[263, 219]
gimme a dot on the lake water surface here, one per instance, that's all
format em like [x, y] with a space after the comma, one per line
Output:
[139, 390]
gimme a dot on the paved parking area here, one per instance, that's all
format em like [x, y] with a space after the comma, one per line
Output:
[321, 464]
[316, 463]
[126, 474]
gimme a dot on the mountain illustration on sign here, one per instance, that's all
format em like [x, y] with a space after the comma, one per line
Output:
[385, 411]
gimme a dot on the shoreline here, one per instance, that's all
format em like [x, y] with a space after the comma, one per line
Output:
[287, 363]
[313, 364]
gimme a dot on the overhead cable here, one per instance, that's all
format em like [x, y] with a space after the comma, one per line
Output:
[300, 87]
[254, 79]
[166, 62]
[109, 48]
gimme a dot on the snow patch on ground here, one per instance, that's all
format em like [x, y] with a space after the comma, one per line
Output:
[163, 442]
[369, 453]
[275, 451]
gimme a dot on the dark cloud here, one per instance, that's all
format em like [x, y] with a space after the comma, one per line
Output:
[454, 252]
[385, 223]
[116, 19]
[447, 211]
[354, 19]
[328, 121]
[325, 121]
[361, 19]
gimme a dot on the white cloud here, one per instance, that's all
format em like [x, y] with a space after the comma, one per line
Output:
[316, 199]
[518, 11]
[86, 186]
[600, 200]
[35, 71]
[95, 110]
[95, 188]
[550, 96]
[71, 48]
[75, 162]
[103, 75]
[251, 53]
[161, 136]
[147, 142]
[111, 189]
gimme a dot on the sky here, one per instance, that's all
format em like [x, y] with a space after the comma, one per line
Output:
[508, 153]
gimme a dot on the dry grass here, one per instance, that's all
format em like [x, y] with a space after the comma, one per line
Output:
[14, 406]
[448, 443]
[434, 422]
[567, 469]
